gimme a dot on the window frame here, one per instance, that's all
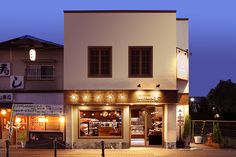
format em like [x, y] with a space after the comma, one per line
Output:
[140, 75]
[110, 64]
[38, 67]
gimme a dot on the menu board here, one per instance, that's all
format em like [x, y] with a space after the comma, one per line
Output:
[37, 109]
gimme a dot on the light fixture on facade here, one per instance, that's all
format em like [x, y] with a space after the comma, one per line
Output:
[3, 112]
[98, 97]
[74, 97]
[32, 54]
[158, 85]
[139, 85]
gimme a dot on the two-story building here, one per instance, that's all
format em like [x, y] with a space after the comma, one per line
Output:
[125, 77]
[36, 87]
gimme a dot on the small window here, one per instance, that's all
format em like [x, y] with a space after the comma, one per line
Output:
[40, 72]
[140, 61]
[99, 62]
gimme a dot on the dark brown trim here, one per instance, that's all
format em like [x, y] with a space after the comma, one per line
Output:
[31, 91]
[182, 19]
[129, 66]
[119, 11]
[99, 75]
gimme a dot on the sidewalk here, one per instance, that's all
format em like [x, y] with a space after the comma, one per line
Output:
[197, 150]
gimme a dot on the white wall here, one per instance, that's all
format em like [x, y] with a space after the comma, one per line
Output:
[119, 30]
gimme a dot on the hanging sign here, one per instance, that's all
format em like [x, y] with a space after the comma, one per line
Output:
[37, 109]
[17, 82]
[5, 69]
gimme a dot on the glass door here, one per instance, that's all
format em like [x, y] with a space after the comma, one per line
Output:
[137, 127]
[154, 125]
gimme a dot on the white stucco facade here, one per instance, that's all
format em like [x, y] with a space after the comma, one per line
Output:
[159, 29]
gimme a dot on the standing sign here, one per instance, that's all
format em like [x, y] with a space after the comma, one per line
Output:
[17, 82]
[180, 117]
[5, 69]
[37, 109]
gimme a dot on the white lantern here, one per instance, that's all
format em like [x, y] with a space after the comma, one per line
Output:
[32, 54]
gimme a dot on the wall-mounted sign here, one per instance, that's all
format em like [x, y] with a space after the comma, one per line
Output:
[148, 98]
[17, 82]
[37, 109]
[5, 69]
[6, 97]
[121, 97]
[182, 64]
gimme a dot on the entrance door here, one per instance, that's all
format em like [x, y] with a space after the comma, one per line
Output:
[154, 125]
[138, 132]
[146, 126]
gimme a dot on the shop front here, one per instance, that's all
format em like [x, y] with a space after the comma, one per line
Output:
[35, 125]
[121, 118]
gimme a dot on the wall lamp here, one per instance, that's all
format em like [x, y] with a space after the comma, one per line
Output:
[158, 85]
[139, 85]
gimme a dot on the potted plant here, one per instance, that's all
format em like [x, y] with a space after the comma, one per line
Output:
[22, 138]
[198, 139]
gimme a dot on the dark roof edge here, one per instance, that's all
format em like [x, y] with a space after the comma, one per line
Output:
[33, 38]
[119, 11]
[182, 19]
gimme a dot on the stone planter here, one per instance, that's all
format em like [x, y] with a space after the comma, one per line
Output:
[197, 139]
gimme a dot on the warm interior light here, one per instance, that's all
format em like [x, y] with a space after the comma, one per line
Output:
[3, 112]
[42, 120]
[98, 97]
[32, 54]
[18, 120]
[62, 119]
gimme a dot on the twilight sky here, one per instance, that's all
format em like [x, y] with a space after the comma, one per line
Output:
[212, 29]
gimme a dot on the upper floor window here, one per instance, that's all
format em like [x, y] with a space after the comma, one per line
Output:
[100, 61]
[40, 72]
[140, 61]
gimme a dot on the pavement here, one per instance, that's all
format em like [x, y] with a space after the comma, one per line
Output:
[196, 150]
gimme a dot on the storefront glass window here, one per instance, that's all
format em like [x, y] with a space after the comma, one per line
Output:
[42, 123]
[100, 123]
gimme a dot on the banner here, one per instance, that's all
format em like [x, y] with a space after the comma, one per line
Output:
[37, 109]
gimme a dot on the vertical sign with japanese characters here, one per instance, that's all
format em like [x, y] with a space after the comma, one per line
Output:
[5, 69]
[17, 82]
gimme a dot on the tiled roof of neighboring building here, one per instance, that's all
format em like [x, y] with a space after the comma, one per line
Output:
[28, 41]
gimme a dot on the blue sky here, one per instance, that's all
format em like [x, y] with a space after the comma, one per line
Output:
[212, 28]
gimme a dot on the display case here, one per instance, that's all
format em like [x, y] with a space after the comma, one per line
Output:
[137, 128]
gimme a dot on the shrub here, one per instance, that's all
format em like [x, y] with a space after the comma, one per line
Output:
[216, 133]
[187, 127]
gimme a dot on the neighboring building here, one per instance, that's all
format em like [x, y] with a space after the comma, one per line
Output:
[125, 77]
[33, 85]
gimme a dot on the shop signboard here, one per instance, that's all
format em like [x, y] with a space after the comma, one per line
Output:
[17, 82]
[37, 109]
[5, 69]
[6, 97]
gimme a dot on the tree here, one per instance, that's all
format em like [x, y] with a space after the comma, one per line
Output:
[222, 99]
